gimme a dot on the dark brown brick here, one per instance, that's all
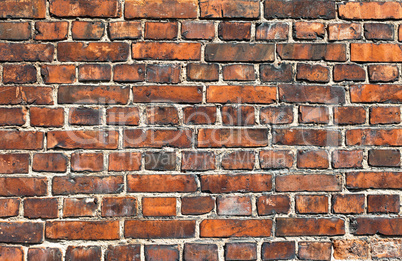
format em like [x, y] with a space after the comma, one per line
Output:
[383, 204]
[197, 205]
[15, 31]
[384, 158]
[163, 73]
[273, 204]
[201, 252]
[278, 250]
[240, 251]
[230, 9]
[308, 9]
[276, 73]
[239, 52]
[21, 232]
[41, 208]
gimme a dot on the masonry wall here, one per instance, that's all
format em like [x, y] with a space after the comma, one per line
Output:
[208, 130]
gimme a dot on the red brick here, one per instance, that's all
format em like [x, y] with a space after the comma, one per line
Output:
[169, 94]
[347, 159]
[83, 30]
[161, 30]
[35, 9]
[349, 115]
[166, 51]
[26, 52]
[351, 249]
[310, 227]
[383, 73]
[239, 52]
[344, 31]
[161, 252]
[13, 73]
[12, 116]
[11, 186]
[200, 252]
[91, 94]
[309, 9]
[195, 30]
[126, 30]
[308, 30]
[82, 8]
[49, 162]
[217, 138]
[276, 115]
[239, 72]
[384, 158]
[47, 117]
[91, 162]
[312, 73]
[161, 183]
[234, 206]
[44, 253]
[230, 9]
[11, 253]
[84, 253]
[197, 205]
[161, 161]
[14, 163]
[161, 9]
[84, 116]
[306, 137]
[80, 207]
[374, 137]
[240, 251]
[278, 250]
[370, 10]
[385, 115]
[372, 226]
[26, 95]
[315, 250]
[235, 228]
[276, 159]
[241, 94]
[159, 229]
[313, 114]
[197, 161]
[311, 204]
[272, 31]
[124, 161]
[236, 183]
[308, 182]
[9, 207]
[238, 115]
[157, 138]
[158, 207]
[375, 180]
[296, 93]
[129, 73]
[383, 204]
[119, 206]
[51, 31]
[125, 116]
[163, 73]
[123, 252]
[370, 52]
[276, 73]
[94, 72]
[82, 139]
[15, 31]
[58, 73]
[349, 72]
[234, 31]
[21, 232]
[94, 52]
[313, 52]
[82, 230]
[195, 115]
[21, 140]
[239, 160]
[312, 159]
[65, 185]
[377, 31]
[371, 93]
[273, 204]
[41, 208]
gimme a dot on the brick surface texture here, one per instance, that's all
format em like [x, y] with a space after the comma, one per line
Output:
[200, 130]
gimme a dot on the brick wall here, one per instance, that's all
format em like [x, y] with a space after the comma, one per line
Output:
[208, 130]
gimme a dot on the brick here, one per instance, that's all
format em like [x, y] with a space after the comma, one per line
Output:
[194, 30]
[162, 161]
[276, 159]
[273, 204]
[161, 31]
[82, 8]
[308, 182]
[41, 208]
[315, 250]
[370, 10]
[126, 30]
[163, 73]
[167, 94]
[310, 227]
[94, 52]
[372, 93]
[374, 137]
[12, 186]
[384, 158]
[370, 52]
[312, 73]
[129, 73]
[308, 9]
[308, 30]
[82, 139]
[161, 9]
[240, 251]
[44, 253]
[125, 116]
[124, 161]
[162, 252]
[51, 31]
[159, 229]
[12, 116]
[377, 31]
[161, 183]
[349, 115]
[278, 250]
[272, 31]
[342, 159]
[311, 204]
[47, 117]
[313, 114]
[385, 115]
[91, 162]
[239, 52]
[35, 9]
[375, 180]
[296, 93]
[386, 248]
[238, 115]
[82, 230]
[349, 72]
[84, 116]
[234, 31]
[223, 228]
[94, 72]
[241, 94]
[230, 138]
[12, 253]
[239, 72]
[58, 73]
[80, 207]
[158, 207]
[84, 253]
[26, 52]
[276, 73]
[21, 140]
[13, 73]
[229, 9]
[119, 206]
[195, 115]
[234, 206]
[9, 207]
[123, 252]
[66, 185]
[236, 183]
[200, 252]
[383, 73]
[345, 31]
[276, 115]
[15, 31]
[306, 137]
[400, 34]
[14, 163]
[372, 226]
[239, 160]
[313, 52]
[21, 232]
[197, 161]
[197, 205]
[350, 249]
[383, 204]
[157, 138]
[166, 51]
[91, 94]
[26, 95]
[83, 30]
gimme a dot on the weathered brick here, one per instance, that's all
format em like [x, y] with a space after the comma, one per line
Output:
[217, 138]
[123, 252]
[197, 161]
[13, 73]
[125, 116]
[239, 72]
[374, 180]
[9, 207]
[161, 9]
[84, 116]
[312, 73]
[161, 252]
[276, 73]
[124, 161]
[272, 31]
[161, 183]
[94, 72]
[26, 95]
[15, 31]
[195, 115]
[200, 252]
[119, 206]
[12, 186]
[91, 94]
[44, 253]
[315, 250]
[234, 31]
[383, 204]
[21, 140]
[162, 161]
[35, 9]
[216, 228]
[384, 158]
[308, 9]
[126, 30]
[230, 9]
[370, 10]
[240, 251]
[58, 73]
[372, 93]
[308, 30]
[47, 117]
[313, 114]
[350, 249]
[308, 182]
[41, 208]
[345, 31]
[239, 52]
[348, 203]
[238, 160]
[385, 115]
[312, 52]
[386, 248]
[169, 94]
[370, 52]
[26, 52]
[296, 93]
[95, 52]
[238, 115]
[202, 72]
[166, 51]
[278, 250]
[311, 204]
[158, 207]
[236, 183]
[82, 139]
[276, 159]
[276, 115]
[241, 94]
[80, 207]
[371, 226]
[12, 253]
[273, 204]
[82, 230]
[91, 162]
[163, 73]
[197, 205]
[347, 159]
[84, 30]
[377, 31]
[12, 116]
[349, 72]
[312, 159]
[374, 137]
[195, 30]
[66, 185]
[157, 138]
[306, 137]
[161, 30]
[234, 206]
[158, 229]
[84, 253]
[310, 227]
[82, 8]
[383, 73]
[51, 31]
[349, 115]
[129, 73]
[21, 232]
